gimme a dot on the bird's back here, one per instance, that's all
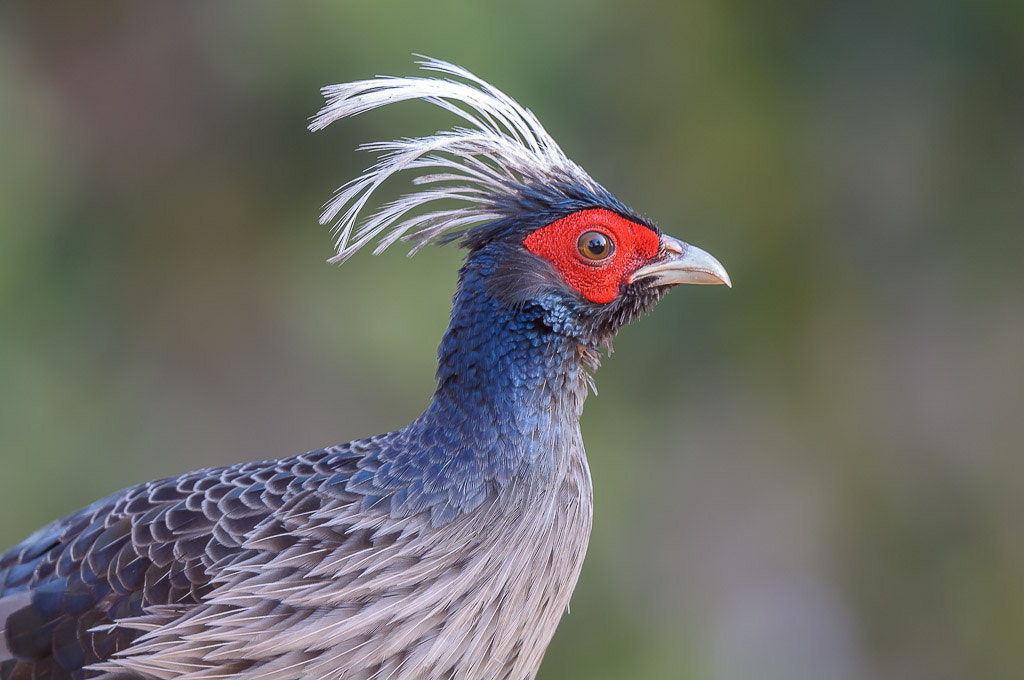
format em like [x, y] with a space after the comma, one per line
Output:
[156, 544]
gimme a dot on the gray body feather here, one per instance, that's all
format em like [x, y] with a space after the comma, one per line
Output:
[363, 595]
[272, 571]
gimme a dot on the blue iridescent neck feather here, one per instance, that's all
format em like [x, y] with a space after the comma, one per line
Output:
[511, 386]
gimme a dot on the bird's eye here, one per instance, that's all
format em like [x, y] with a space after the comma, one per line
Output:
[594, 245]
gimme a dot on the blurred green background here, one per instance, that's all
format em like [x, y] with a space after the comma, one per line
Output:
[816, 475]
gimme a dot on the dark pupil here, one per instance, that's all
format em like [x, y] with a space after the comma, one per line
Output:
[597, 246]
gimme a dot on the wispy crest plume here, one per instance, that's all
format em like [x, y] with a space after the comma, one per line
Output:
[503, 148]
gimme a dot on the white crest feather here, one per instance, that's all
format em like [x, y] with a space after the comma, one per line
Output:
[503, 148]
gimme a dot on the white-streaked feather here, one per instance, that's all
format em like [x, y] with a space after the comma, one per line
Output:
[504, 148]
[468, 598]
[479, 597]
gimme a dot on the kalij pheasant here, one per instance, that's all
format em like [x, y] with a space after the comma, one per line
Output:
[446, 549]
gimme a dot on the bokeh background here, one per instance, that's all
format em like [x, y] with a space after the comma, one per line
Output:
[816, 475]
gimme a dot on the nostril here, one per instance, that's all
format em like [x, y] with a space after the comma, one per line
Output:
[672, 245]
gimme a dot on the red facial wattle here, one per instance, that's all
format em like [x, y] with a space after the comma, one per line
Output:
[597, 279]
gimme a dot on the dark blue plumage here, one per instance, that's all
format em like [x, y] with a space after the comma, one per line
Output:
[446, 549]
[498, 366]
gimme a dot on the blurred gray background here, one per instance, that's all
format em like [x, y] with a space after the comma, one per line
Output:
[816, 475]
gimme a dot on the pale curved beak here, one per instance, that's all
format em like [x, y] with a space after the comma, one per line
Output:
[682, 263]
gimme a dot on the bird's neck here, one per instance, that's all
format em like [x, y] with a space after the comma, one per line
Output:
[505, 368]
[509, 396]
